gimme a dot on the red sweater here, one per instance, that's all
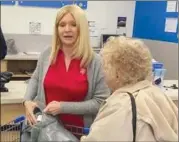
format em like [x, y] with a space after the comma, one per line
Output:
[66, 86]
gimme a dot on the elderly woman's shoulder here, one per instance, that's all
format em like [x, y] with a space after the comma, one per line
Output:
[155, 92]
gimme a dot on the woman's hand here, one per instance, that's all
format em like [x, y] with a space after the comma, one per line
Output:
[29, 108]
[53, 108]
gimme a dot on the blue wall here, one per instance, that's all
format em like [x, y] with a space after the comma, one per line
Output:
[53, 4]
[149, 21]
[5, 2]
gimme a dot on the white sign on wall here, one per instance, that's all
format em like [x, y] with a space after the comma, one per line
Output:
[34, 27]
[171, 25]
[171, 6]
[93, 29]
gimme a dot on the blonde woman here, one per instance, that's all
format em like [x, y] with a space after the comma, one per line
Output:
[68, 78]
[127, 66]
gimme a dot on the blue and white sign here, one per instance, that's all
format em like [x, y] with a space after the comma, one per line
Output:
[5, 2]
[53, 4]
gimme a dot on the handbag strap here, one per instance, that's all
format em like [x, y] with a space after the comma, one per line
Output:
[134, 115]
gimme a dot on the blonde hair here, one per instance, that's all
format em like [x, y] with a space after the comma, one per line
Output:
[126, 60]
[82, 49]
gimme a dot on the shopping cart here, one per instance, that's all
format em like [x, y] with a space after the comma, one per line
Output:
[12, 131]
[77, 131]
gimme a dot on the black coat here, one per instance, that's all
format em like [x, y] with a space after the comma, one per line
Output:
[3, 45]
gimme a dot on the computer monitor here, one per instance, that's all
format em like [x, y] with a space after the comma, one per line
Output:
[104, 38]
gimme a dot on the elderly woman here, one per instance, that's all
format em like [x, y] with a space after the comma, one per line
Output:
[128, 70]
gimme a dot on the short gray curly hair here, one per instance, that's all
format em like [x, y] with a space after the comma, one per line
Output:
[126, 60]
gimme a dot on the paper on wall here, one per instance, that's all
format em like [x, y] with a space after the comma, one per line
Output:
[93, 29]
[121, 31]
[34, 27]
[171, 6]
[92, 23]
[171, 25]
[94, 32]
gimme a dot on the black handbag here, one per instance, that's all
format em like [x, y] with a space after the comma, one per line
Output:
[134, 115]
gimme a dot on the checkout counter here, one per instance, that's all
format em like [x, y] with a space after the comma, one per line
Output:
[11, 102]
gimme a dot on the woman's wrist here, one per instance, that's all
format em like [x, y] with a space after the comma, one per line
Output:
[25, 102]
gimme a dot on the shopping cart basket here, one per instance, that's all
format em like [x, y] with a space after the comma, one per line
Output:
[12, 131]
[77, 131]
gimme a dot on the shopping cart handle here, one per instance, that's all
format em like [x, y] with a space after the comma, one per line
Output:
[19, 119]
[86, 131]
